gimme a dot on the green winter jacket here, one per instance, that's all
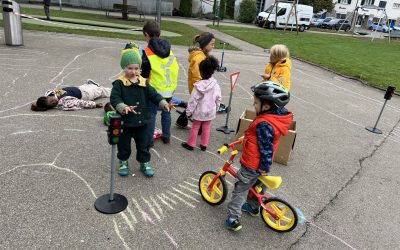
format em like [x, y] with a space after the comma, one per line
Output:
[124, 93]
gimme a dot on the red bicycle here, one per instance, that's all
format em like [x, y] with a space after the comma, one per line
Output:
[277, 214]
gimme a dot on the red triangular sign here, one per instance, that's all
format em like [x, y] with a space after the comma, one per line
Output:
[234, 77]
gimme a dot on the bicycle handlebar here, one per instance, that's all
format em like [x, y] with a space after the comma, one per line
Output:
[226, 146]
[223, 149]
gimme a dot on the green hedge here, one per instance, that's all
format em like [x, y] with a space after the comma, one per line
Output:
[247, 12]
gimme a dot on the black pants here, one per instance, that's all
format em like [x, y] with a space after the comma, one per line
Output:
[47, 11]
[140, 135]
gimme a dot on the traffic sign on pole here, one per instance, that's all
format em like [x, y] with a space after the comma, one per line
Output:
[234, 77]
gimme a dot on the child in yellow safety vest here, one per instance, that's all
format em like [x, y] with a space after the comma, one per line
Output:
[161, 69]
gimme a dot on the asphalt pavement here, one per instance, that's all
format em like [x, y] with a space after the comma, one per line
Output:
[55, 164]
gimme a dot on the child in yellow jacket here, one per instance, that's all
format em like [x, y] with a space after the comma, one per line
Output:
[279, 66]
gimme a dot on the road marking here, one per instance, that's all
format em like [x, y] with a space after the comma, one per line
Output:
[168, 198]
[346, 90]
[132, 215]
[44, 115]
[179, 198]
[171, 239]
[334, 236]
[151, 208]
[330, 112]
[155, 151]
[186, 195]
[157, 205]
[166, 203]
[191, 190]
[119, 235]
[127, 221]
[25, 132]
[75, 130]
[193, 179]
[190, 184]
[184, 70]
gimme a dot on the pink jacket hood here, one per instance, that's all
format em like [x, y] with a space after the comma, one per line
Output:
[204, 100]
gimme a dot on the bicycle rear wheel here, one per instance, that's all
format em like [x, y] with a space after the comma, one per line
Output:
[218, 193]
[287, 216]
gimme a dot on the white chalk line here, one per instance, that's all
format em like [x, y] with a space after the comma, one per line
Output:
[182, 200]
[127, 221]
[334, 236]
[171, 239]
[132, 215]
[190, 184]
[168, 198]
[114, 76]
[159, 209]
[151, 207]
[348, 91]
[119, 235]
[47, 115]
[155, 151]
[330, 112]
[185, 194]
[184, 70]
[74, 59]
[26, 132]
[165, 202]
[191, 190]
[70, 171]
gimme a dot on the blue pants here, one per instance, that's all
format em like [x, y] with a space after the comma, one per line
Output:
[165, 121]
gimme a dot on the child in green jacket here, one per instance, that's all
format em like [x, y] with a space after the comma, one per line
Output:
[131, 97]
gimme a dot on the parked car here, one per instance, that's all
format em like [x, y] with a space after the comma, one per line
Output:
[341, 24]
[317, 23]
[324, 23]
[379, 27]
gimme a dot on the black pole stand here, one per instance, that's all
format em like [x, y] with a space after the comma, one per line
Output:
[225, 128]
[111, 203]
[388, 96]
[222, 68]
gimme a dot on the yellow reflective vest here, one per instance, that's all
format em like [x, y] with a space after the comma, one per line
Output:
[164, 73]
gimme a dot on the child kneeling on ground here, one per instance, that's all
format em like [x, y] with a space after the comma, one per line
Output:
[203, 104]
[260, 142]
[131, 97]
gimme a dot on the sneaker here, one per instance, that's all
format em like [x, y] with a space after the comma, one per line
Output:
[146, 169]
[203, 148]
[187, 146]
[249, 209]
[123, 168]
[165, 140]
[90, 81]
[233, 224]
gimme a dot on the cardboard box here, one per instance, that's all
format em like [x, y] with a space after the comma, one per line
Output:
[286, 144]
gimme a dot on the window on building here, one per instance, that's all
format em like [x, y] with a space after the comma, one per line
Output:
[340, 16]
[396, 5]
[367, 2]
[382, 4]
[344, 1]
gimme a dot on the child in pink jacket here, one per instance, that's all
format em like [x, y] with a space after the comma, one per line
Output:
[203, 104]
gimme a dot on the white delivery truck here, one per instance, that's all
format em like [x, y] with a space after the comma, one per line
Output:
[304, 16]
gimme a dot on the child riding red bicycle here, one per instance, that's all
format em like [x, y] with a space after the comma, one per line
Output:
[259, 144]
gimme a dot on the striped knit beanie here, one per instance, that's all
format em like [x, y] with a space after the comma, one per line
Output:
[130, 56]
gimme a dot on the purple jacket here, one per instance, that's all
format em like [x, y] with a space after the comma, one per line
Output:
[204, 101]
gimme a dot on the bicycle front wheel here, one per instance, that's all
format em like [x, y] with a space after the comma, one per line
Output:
[287, 216]
[219, 191]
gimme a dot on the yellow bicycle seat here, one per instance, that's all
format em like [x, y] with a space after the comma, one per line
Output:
[271, 182]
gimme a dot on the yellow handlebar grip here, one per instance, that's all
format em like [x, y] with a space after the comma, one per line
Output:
[222, 150]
